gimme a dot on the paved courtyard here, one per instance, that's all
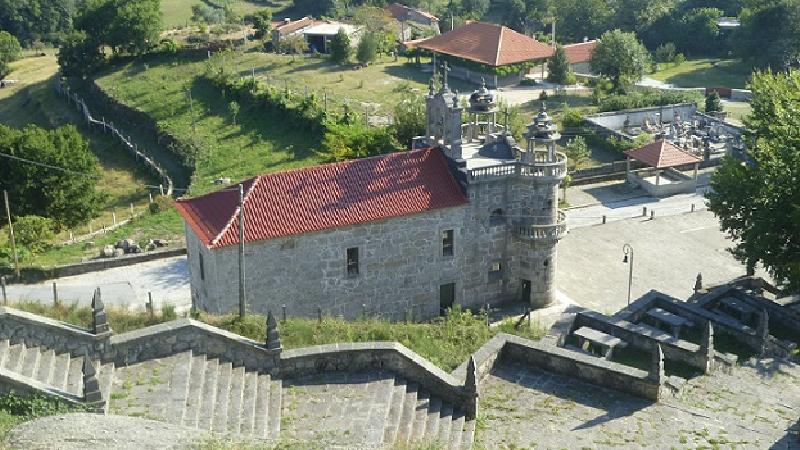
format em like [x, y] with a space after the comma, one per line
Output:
[756, 406]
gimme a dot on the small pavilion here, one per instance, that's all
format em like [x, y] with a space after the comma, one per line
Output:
[660, 177]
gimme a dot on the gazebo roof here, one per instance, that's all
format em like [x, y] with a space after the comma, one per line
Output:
[662, 154]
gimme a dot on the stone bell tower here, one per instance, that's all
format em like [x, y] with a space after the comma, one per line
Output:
[543, 225]
[443, 126]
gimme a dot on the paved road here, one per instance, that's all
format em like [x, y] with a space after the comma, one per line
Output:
[121, 286]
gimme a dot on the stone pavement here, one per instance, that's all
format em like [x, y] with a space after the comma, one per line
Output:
[167, 279]
[669, 252]
[756, 406]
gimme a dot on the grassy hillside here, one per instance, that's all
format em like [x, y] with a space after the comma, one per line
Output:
[706, 73]
[177, 13]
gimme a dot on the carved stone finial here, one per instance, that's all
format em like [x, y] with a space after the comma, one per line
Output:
[273, 337]
[544, 106]
[99, 320]
[91, 387]
[471, 381]
[431, 88]
[445, 69]
[698, 283]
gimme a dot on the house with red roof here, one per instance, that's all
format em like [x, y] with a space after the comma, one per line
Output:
[496, 53]
[580, 56]
[461, 219]
[413, 21]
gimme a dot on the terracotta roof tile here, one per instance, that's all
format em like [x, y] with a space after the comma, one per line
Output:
[662, 154]
[580, 52]
[487, 43]
[401, 12]
[326, 196]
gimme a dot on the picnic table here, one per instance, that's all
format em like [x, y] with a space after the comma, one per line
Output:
[598, 342]
[664, 319]
[737, 309]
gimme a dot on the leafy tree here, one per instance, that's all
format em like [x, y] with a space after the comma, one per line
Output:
[262, 22]
[342, 141]
[33, 232]
[67, 194]
[79, 56]
[340, 47]
[577, 151]
[10, 51]
[514, 14]
[474, 9]
[620, 57]
[204, 14]
[697, 31]
[576, 19]
[409, 118]
[367, 49]
[770, 33]
[559, 70]
[665, 53]
[758, 203]
[713, 102]
[37, 20]
[295, 44]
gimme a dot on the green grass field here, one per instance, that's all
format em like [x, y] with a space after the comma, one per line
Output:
[33, 100]
[706, 73]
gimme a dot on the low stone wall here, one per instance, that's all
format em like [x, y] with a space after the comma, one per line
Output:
[11, 382]
[376, 355]
[584, 367]
[37, 274]
[485, 359]
[19, 326]
[646, 338]
[181, 335]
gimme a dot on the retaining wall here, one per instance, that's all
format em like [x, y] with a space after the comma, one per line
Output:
[19, 326]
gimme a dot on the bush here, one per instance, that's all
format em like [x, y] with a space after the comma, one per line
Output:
[665, 53]
[409, 118]
[645, 99]
[713, 102]
[345, 141]
[160, 203]
[340, 47]
[33, 232]
[572, 118]
[168, 312]
[367, 49]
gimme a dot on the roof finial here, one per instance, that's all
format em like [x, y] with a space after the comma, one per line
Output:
[544, 106]
[431, 88]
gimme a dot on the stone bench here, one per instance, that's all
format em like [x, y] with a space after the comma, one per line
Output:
[660, 318]
[591, 338]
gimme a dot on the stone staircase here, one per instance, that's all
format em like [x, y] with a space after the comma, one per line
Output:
[202, 393]
[370, 410]
[60, 371]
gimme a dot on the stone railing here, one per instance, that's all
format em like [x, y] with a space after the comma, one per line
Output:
[540, 168]
[552, 232]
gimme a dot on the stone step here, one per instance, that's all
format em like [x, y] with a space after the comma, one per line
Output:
[420, 417]
[61, 371]
[262, 412]
[445, 423]
[209, 395]
[456, 432]
[379, 407]
[249, 404]
[235, 400]
[191, 410]
[407, 417]
[220, 422]
[274, 408]
[468, 435]
[45, 371]
[15, 355]
[105, 378]
[75, 377]
[432, 427]
[4, 350]
[179, 379]
[30, 362]
[395, 411]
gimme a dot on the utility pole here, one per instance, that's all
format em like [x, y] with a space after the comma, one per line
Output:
[241, 253]
[553, 29]
[11, 234]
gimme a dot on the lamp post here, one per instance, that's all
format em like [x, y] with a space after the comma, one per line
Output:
[627, 250]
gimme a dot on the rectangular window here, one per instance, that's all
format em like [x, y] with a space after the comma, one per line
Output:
[496, 267]
[447, 243]
[496, 271]
[202, 267]
[352, 261]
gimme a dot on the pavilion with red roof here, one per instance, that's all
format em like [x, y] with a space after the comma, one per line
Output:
[660, 177]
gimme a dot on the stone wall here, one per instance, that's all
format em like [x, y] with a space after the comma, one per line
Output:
[614, 121]
[19, 326]
[583, 367]
[12, 382]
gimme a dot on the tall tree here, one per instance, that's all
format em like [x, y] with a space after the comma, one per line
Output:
[758, 203]
[340, 47]
[559, 70]
[10, 51]
[620, 57]
[576, 19]
[64, 192]
[367, 49]
[770, 33]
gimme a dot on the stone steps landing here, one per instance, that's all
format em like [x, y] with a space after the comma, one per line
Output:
[201, 393]
[61, 371]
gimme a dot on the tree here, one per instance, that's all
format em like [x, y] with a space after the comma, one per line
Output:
[78, 56]
[577, 151]
[234, 108]
[37, 20]
[576, 19]
[514, 14]
[33, 232]
[66, 194]
[713, 102]
[367, 49]
[10, 51]
[758, 202]
[295, 44]
[769, 34]
[559, 70]
[620, 57]
[340, 47]
[409, 118]
[262, 22]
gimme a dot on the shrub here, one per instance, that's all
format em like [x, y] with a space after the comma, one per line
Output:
[367, 49]
[713, 103]
[665, 53]
[168, 312]
[33, 232]
[572, 118]
[343, 141]
[559, 70]
[645, 99]
[340, 47]
[160, 203]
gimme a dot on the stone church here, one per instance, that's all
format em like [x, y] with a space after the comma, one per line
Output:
[466, 217]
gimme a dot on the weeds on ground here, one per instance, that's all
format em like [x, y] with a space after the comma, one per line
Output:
[15, 408]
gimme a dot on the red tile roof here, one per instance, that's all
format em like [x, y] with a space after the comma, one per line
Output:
[285, 28]
[580, 52]
[662, 154]
[401, 12]
[487, 43]
[326, 196]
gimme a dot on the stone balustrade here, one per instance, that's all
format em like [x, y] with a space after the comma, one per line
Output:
[551, 232]
[541, 167]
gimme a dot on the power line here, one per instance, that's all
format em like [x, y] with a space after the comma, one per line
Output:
[37, 163]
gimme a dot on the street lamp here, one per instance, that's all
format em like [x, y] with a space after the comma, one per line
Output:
[627, 249]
